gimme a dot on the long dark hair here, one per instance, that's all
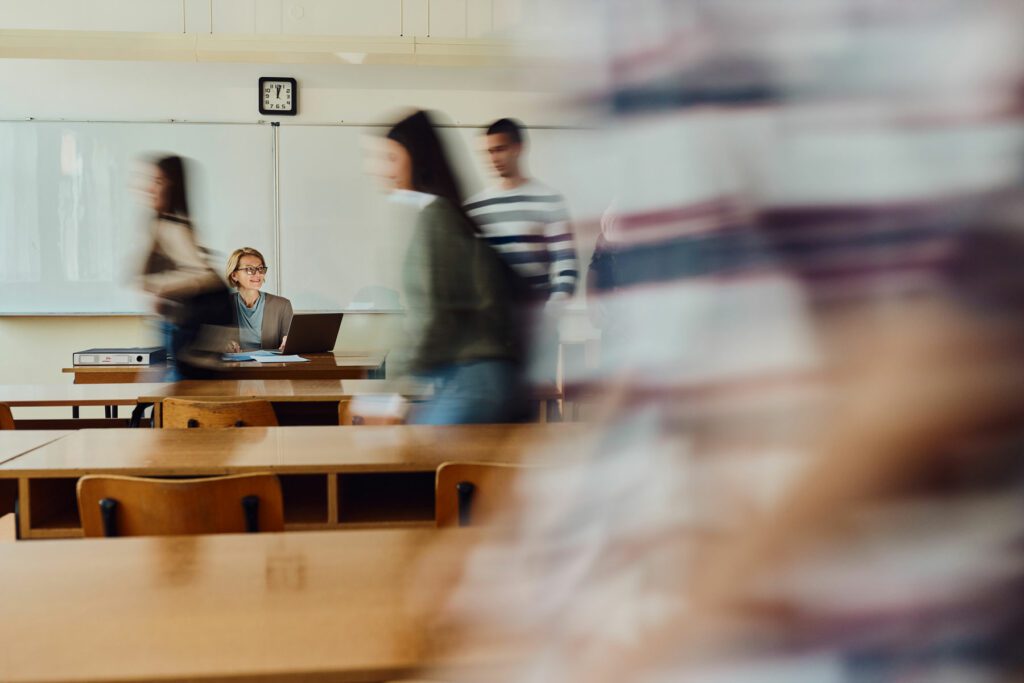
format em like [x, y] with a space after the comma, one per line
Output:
[431, 171]
[173, 169]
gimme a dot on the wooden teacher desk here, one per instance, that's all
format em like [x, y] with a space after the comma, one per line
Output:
[331, 477]
[324, 606]
[369, 365]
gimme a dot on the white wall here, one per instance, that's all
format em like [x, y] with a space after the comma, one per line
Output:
[434, 18]
[94, 90]
[34, 349]
[135, 91]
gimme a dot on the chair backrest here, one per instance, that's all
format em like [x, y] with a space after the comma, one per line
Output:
[472, 494]
[8, 527]
[180, 413]
[136, 506]
[6, 418]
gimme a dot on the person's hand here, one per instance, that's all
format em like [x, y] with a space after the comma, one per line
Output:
[284, 341]
[234, 347]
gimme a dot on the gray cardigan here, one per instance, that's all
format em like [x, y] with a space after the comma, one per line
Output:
[277, 318]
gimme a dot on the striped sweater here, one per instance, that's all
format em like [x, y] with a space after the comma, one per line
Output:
[529, 227]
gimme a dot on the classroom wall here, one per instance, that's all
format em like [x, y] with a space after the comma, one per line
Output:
[434, 18]
[34, 349]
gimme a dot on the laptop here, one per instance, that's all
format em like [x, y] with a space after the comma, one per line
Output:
[311, 333]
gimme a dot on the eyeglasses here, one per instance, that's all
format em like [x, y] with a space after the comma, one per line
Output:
[252, 270]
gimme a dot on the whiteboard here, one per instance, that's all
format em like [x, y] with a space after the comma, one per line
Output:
[73, 223]
[72, 228]
[340, 239]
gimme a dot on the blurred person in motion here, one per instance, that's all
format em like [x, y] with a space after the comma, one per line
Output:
[460, 297]
[807, 466]
[527, 222]
[189, 293]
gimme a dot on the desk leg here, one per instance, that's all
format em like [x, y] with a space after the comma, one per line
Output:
[113, 412]
[74, 412]
[377, 373]
[106, 412]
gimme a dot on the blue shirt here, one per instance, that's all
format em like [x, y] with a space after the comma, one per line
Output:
[250, 323]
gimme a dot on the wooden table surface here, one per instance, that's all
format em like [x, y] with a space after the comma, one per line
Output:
[43, 395]
[14, 442]
[310, 606]
[405, 448]
[320, 366]
[278, 390]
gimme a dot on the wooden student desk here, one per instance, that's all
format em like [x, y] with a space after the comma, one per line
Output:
[277, 391]
[328, 393]
[326, 606]
[73, 396]
[368, 365]
[315, 399]
[332, 477]
[295, 400]
[14, 443]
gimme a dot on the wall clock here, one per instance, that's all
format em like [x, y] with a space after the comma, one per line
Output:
[279, 96]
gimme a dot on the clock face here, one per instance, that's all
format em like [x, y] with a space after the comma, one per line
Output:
[278, 96]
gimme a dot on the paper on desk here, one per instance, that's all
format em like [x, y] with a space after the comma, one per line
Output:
[280, 359]
[245, 355]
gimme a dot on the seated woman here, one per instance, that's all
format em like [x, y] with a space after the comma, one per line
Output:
[263, 319]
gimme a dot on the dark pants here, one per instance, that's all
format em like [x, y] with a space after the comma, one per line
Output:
[194, 339]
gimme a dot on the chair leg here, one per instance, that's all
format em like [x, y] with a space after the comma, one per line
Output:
[251, 507]
[108, 508]
[137, 414]
[465, 492]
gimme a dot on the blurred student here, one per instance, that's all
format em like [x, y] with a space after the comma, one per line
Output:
[262, 319]
[527, 222]
[189, 293]
[457, 291]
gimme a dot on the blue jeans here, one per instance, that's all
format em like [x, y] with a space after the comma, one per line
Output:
[167, 331]
[486, 391]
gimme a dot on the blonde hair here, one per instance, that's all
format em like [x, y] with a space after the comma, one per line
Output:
[235, 257]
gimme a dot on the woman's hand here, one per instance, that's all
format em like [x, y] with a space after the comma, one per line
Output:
[233, 347]
[284, 340]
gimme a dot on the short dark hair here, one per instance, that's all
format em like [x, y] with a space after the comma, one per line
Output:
[510, 127]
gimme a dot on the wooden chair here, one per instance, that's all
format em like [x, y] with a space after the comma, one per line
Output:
[472, 493]
[6, 418]
[180, 413]
[349, 414]
[8, 527]
[136, 506]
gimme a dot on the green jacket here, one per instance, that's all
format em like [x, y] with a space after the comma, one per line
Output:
[458, 293]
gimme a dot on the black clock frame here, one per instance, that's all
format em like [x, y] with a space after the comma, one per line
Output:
[280, 112]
